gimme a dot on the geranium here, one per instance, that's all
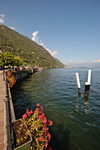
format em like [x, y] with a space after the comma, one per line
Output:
[49, 148]
[38, 104]
[50, 123]
[10, 79]
[25, 116]
[38, 127]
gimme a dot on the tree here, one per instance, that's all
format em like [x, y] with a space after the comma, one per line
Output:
[17, 61]
[8, 59]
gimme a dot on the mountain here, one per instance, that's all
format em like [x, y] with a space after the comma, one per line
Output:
[83, 65]
[26, 49]
[98, 66]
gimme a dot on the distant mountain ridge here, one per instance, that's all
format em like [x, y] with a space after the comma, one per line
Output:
[26, 49]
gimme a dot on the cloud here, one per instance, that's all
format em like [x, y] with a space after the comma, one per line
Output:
[1, 20]
[52, 53]
[47, 36]
[35, 37]
[2, 17]
[96, 60]
[13, 28]
[41, 43]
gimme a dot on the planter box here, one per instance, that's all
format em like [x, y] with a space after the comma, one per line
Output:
[26, 144]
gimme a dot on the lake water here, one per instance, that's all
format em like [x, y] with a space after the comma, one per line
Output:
[76, 119]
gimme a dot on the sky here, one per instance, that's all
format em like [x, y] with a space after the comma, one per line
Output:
[68, 29]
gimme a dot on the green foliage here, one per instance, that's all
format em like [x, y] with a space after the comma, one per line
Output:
[26, 49]
[10, 60]
[17, 62]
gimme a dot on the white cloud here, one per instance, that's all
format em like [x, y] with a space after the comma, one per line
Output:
[1, 20]
[13, 28]
[96, 60]
[54, 53]
[35, 37]
[2, 15]
[41, 43]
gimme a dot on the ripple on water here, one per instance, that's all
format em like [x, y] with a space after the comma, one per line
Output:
[76, 122]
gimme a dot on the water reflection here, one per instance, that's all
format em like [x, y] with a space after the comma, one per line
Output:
[85, 105]
[77, 103]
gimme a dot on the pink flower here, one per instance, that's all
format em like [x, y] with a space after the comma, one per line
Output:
[38, 104]
[50, 123]
[40, 138]
[25, 116]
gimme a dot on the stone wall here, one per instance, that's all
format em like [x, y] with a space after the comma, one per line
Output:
[19, 75]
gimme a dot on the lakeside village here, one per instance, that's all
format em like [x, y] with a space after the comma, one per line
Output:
[31, 132]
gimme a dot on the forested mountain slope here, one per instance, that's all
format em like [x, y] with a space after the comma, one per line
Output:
[26, 49]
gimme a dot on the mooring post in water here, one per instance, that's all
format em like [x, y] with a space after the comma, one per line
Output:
[78, 83]
[87, 84]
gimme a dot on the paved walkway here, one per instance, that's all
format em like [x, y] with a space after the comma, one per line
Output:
[2, 114]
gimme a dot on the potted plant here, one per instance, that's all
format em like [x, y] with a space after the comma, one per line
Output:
[38, 127]
[20, 134]
[10, 79]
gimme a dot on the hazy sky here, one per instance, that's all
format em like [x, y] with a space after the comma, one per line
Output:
[68, 29]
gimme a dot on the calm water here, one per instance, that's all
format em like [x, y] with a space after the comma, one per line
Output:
[76, 119]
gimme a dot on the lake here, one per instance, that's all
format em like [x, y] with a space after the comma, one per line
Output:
[76, 119]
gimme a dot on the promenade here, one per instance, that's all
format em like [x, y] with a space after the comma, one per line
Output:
[2, 114]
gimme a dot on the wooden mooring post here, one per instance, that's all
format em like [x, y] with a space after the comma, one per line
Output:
[87, 84]
[78, 83]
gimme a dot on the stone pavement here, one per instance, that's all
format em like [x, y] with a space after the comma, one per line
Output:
[3, 137]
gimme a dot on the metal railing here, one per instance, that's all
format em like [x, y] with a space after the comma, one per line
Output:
[8, 121]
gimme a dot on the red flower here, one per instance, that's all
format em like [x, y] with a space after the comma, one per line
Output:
[49, 135]
[41, 107]
[41, 116]
[44, 133]
[50, 123]
[29, 112]
[46, 143]
[37, 109]
[38, 104]
[49, 148]
[44, 128]
[24, 116]
[40, 138]
[45, 120]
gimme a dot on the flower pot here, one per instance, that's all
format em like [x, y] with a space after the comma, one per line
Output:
[24, 144]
